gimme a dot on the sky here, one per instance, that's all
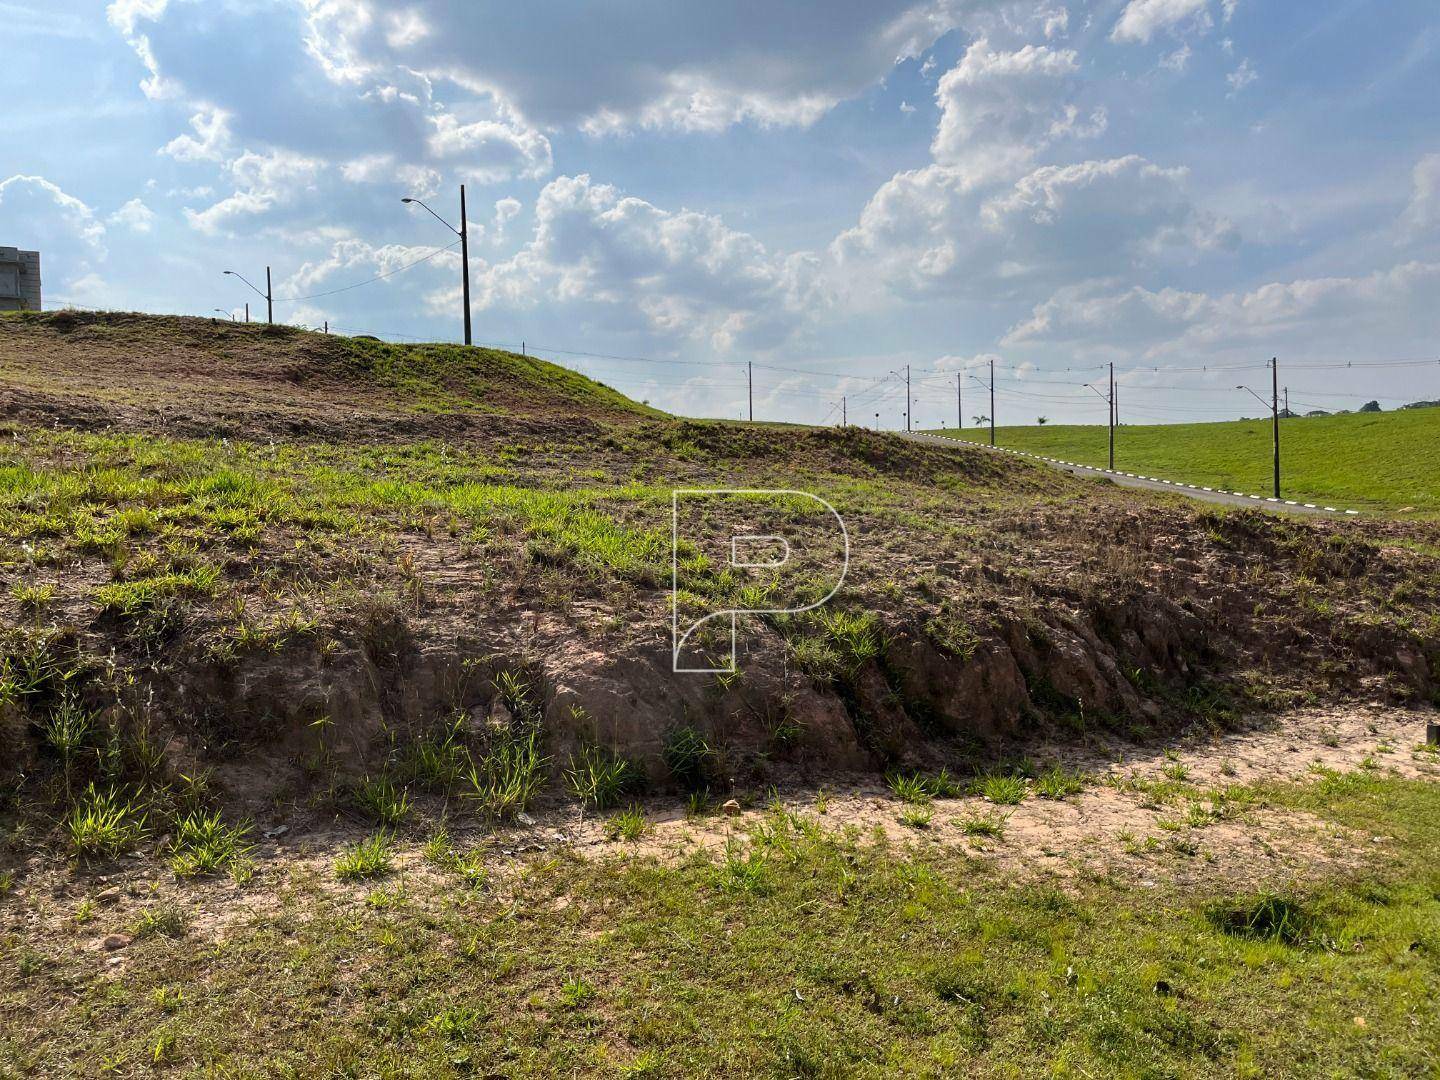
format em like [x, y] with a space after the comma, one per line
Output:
[668, 195]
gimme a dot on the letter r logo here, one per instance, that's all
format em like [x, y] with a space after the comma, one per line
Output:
[746, 551]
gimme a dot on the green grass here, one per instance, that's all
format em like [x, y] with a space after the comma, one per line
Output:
[1364, 461]
[795, 952]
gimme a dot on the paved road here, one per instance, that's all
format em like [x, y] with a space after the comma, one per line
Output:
[1152, 483]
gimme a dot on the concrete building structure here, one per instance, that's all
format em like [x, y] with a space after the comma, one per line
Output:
[19, 280]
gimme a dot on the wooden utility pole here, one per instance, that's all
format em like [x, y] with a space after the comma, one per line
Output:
[269, 298]
[960, 402]
[750, 384]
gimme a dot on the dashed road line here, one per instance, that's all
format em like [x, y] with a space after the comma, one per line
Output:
[1061, 462]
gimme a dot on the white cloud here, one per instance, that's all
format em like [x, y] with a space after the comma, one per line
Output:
[1316, 316]
[1176, 60]
[1241, 77]
[135, 216]
[212, 140]
[1227, 8]
[367, 260]
[998, 109]
[690, 68]
[490, 150]
[263, 182]
[418, 180]
[126, 16]
[1423, 213]
[926, 233]
[506, 211]
[27, 194]
[40, 215]
[680, 274]
[1143, 19]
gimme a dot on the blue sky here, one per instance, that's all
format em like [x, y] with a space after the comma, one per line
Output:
[829, 190]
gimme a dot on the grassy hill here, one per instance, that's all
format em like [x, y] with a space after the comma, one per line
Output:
[1378, 461]
[239, 379]
[339, 674]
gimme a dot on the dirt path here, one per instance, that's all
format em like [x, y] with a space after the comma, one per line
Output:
[1183, 814]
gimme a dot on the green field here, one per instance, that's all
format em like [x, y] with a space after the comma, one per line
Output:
[1365, 461]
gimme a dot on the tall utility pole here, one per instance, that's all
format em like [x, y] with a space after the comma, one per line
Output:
[750, 386]
[268, 294]
[1287, 402]
[1112, 417]
[1275, 409]
[907, 398]
[464, 234]
[844, 420]
[992, 402]
[960, 403]
[465, 262]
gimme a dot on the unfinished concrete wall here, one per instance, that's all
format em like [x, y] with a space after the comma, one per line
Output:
[19, 280]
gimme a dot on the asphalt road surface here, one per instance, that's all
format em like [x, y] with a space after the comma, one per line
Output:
[1152, 483]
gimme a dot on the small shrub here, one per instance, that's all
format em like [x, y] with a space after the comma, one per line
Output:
[988, 824]
[1001, 789]
[1267, 918]
[627, 825]
[103, 823]
[600, 778]
[366, 859]
[204, 844]
[910, 789]
[161, 922]
[509, 776]
[1058, 783]
[917, 817]
[382, 801]
[686, 755]
[748, 873]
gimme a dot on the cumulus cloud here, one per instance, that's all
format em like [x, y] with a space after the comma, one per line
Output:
[63, 228]
[211, 141]
[925, 233]
[998, 109]
[1314, 316]
[1143, 19]
[656, 65]
[263, 182]
[1423, 213]
[686, 274]
[36, 200]
[490, 150]
[135, 216]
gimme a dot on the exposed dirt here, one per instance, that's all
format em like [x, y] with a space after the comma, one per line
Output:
[990, 603]
[1115, 826]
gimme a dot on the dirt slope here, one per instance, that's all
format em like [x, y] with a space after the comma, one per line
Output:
[298, 559]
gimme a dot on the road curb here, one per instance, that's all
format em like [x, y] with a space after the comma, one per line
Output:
[1181, 485]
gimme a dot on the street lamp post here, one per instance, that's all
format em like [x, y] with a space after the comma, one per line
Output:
[991, 387]
[1109, 401]
[1274, 405]
[229, 314]
[268, 294]
[464, 234]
